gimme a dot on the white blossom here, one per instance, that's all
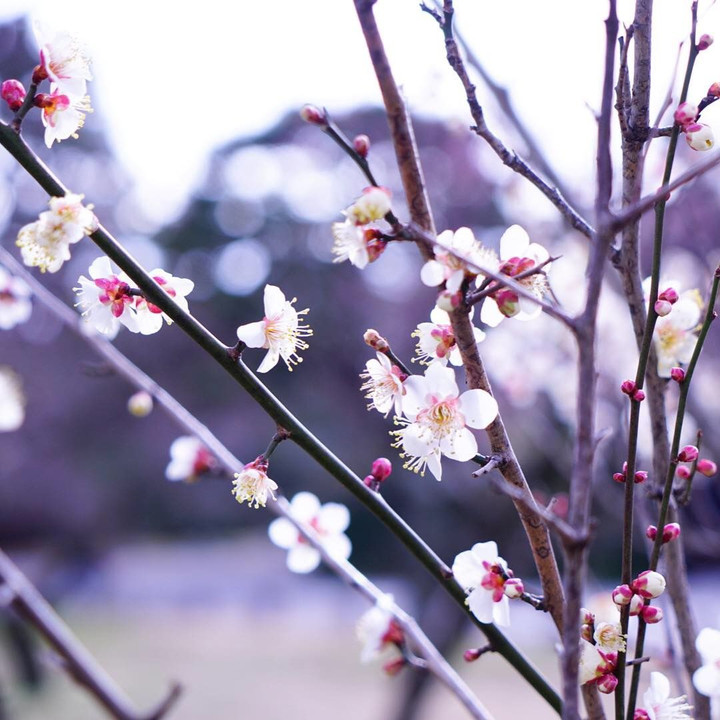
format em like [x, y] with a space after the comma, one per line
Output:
[436, 340]
[15, 303]
[12, 400]
[374, 627]
[189, 459]
[253, 484]
[63, 60]
[383, 385]
[658, 704]
[706, 679]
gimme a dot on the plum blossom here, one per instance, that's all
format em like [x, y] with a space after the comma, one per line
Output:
[594, 663]
[189, 459]
[458, 255]
[699, 136]
[436, 340]
[609, 637]
[15, 303]
[62, 115]
[12, 400]
[253, 484]
[371, 206]
[383, 385]
[517, 255]
[658, 705]
[62, 61]
[150, 317]
[46, 242]
[437, 418]
[358, 244]
[329, 521]
[378, 630]
[279, 331]
[476, 570]
[706, 679]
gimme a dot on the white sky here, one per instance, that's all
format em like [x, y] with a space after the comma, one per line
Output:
[174, 81]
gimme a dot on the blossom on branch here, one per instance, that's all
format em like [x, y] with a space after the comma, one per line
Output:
[150, 317]
[62, 115]
[15, 303]
[371, 206]
[436, 340]
[658, 705]
[481, 573]
[189, 459]
[46, 242]
[280, 331]
[62, 61]
[378, 630]
[437, 417]
[12, 400]
[253, 484]
[383, 385]
[596, 667]
[329, 521]
[356, 243]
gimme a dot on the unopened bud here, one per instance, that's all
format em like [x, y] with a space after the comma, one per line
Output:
[13, 93]
[641, 715]
[381, 469]
[629, 387]
[314, 115]
[513, 588]
[361, 144]
[636, 605]
[683, 472]
[651, 532]
[587, 617]
[669, 294]
[640, 476]
[677, 374]
[638, 395]
[619, 477]
[714, 90]
[704, 42]
[39, 74]
[663, 308]
[376, 341]
[671, 532]
[607, 683]
[651, 614]
[140, 404]
[587, 632]
[688, 454]
[472, 654]
[706, 467]
[699, 136]
[649, 584]
[508, 302]
[622, 595]
[449, 301]
[685, 114]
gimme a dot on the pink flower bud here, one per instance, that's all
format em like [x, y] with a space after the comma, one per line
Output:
[587, 632]
[641, 715]
[381, 469]
[704, 42]
[638, 396]
[361, 144]
[508, 302]
[663, 308]
[651, 614]
[669, 294]
[671, 532]
[619, 477]
[651, 532]
[13, 93]
[683, 472]
[640, 476]
[587, 617]
[714, 90]
[688, 454]
[677, 374]
[513, 588]
[636, 605]
[376, 341]
[622, 595]
[472, 654]
[607, 683]
[706, 467]
[699, 136]
[314, 115]
[649, 584]
[449, 301]
[685, 114]
[629, 387]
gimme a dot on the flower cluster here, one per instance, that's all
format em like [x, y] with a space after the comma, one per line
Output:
[108, 299]
[279, 332]
[698, 135]
[46, 242]
[488, 581]
[15, 303]
[189, 459]
[253, 484]
[648, 585]
[359, 239]
[328, 521]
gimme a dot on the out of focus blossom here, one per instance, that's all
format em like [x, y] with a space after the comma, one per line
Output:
[371, 206]
[471, 569]
[383, 385]
[329, 521]
[437, 417]
[46, 242]
[15, 303]
[62, 61]
[517, 255]
[706, 679]
[12, 400]
[280, 331]
[378, 630]
[140, 404]
[657, 703]
[189, 459]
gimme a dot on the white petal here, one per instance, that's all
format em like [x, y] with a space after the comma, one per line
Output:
[417, 441]
[441, 381]
[460, 446]
[333, 518]
[100, 268]
[303, 559]
[415, 397]
[339, 546]
[479, 408]
[481, 604]
[269, 361]
[490, 313]
[501, 611]
[707, 680]
[529, 309]
[659, 690]
[434, 465]
[467, 571]
[439, 317]
[305, 506]
[708, 644]
[514, 242]
[283, 533]
[273, 300]
[485, 552]
[252, 334]
[432, 273]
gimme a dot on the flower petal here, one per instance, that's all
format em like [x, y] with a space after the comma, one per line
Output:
[514, 242]
[467, 571]
[303, 559]
[283, 533]
[333, 518]
[273, 300]
[479, 408]
[253, 334]
[481, 604]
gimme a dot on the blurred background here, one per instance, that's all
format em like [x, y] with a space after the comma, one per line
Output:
[172, 581]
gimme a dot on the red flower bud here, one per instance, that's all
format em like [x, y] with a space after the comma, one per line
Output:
[619, 477]
[683, 472]
[381, 469]
[714, 90]
[651, 532]
[313, 115]
[704, 42]
[670, 532]
[638, 396]
[622, 595]
[651, 614]
[677, 374]
[670, 295]
[629, 387]
[640, 476]
[706, 467]
[688, 453]
[13, 93]
[361, 143]
[607, 683]
[472, 654]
